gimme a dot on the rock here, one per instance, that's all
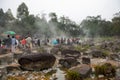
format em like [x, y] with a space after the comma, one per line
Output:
[4, 51]
[114, 57]
[3, 73]
[12, 67]
[37, 61]
[97, 54]
[6, 59]
[54, 50]
[86, 60]
[83, 70]
[110, 70]
[68, 62]
[70, 53]
[17, 55]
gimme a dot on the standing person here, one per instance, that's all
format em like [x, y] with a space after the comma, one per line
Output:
[38, 42]
[35, 42]
[29, 42]
[0, 43]
[23, 43]
[8, 42]
[13, 44]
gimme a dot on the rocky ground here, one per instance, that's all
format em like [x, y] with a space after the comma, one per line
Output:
[85, 56]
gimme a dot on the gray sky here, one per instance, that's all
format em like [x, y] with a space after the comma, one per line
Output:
[76, 10]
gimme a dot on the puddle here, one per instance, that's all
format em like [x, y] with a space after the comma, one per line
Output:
[60, 74]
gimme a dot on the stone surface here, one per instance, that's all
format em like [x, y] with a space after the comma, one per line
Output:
[37, 61]
[86, 60]
[3, 73]
[6, 59]
[4, 51]
[70, 53]
[83, 70]
[68, 62]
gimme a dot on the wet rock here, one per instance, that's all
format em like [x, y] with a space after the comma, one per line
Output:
[86, 60]
[37, 61]
[83, 70]
[68, 62]
[70, 53]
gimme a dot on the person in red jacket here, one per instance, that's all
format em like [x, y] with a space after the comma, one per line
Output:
[23, 42]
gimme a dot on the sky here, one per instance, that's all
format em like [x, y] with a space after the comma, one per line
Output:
[76, 10]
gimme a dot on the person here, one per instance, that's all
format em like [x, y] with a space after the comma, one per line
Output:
[8, 42]
[0, 43]
[16, 44]
[29, 42]
[35, 42]
[13, 44]
[38, 42]
[23, 42]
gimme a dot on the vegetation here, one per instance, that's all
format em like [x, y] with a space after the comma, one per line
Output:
[28, 23]
[72, 75]
[82, 48]
[106, 69]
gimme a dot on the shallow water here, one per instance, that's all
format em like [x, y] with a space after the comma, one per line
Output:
[60, 74]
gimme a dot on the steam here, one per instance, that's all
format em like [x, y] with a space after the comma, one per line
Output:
[48, 29]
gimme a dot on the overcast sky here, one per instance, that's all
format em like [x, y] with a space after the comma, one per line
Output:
[76, 10]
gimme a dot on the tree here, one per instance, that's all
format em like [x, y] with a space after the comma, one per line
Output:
[9, 16]
[96, 26]
[116, 24]
[22, 11]
[2, 19]
[53, 17]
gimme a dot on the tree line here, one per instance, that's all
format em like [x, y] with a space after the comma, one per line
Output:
[25, 23]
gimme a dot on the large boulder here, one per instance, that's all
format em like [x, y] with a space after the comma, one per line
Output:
[83, 70]
[70, 53]
[36, 61]
[68, 62]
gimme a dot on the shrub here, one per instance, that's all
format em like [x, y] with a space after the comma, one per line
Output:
[72, 75]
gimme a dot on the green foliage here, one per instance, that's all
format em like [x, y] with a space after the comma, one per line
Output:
[72, 75]
[22, 11]
[106, 52]
[95, 26]
[53, 16]
[116, 24]
[27, 23]
[105, 69]
[82, 48]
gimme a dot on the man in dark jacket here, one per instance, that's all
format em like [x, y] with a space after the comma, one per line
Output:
[8, 42]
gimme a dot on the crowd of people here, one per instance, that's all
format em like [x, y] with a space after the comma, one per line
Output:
[66, 41]
[28, 42]
[12, 43]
